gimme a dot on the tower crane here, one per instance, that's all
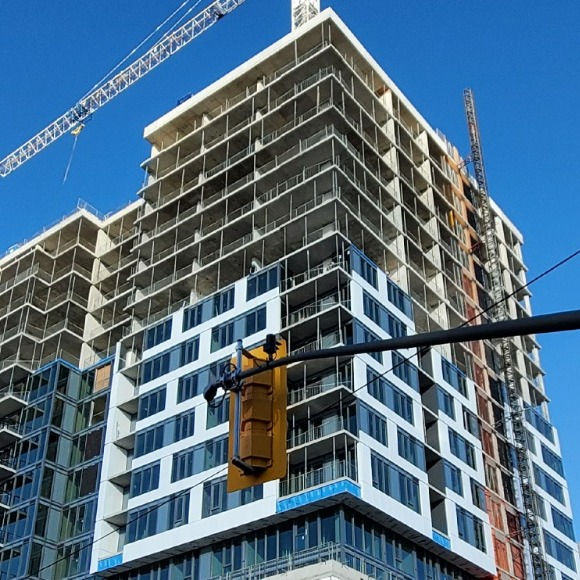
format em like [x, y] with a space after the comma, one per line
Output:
[72, 120]
[531, 525]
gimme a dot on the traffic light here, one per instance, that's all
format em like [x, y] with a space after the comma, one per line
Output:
[257, 441]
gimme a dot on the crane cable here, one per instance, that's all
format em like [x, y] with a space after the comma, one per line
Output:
[146, 39]
[77, 130]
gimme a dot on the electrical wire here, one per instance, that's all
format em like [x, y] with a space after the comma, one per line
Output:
[424, 350]
[138, 517]
[324, 411]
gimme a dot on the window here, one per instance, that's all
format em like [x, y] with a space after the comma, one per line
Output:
[184, 425]
[470, 529]
[158, 517]
[188, 387]
[262, 282]
[217, 500]
[461, 448]
[471, 423]
[531, 441]
[405, 370]
[399, 299]
[389, 395]
[560, 551]
[218, 414]
[395, 482]
[372, 423]
[178, 510]
[151, 403]
[145, 479]
[189, 351]
[364, 267]
[200, 458]
[541, 425]
[223, 301]
[149, 440]
[222, 336]
[548, 484]
[453, 479]
[382, 317]
[371, 309]
[193, 316]
[158, 334]
[453, 376]
[478, 495]
[563, 523]
[445, 402]
[142, 523]
[363, 334]
[155, 367]
[552, 460]
[255, 321]
[411, 449]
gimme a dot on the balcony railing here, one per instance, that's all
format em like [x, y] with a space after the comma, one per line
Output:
[314, 308]
[327, 427]
[330, 472]
[323, 385]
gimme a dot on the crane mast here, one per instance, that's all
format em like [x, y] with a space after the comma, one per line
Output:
[530, 516]
[101, 95]
[303, 11]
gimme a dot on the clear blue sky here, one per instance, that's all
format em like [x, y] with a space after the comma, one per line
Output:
[520, 57]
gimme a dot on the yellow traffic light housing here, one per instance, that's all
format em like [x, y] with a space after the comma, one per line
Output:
[258, 424]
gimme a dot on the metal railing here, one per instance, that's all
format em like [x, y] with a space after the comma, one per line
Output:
[331, 471]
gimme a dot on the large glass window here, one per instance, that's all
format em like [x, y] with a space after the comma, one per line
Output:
[223, 301]
[395, 482]
[405, 370]
[216, 499]
[411, 449]
[145, 479]
[389, 395]
[188, 387]
[200, 458]
[372, 423]
[189, 351]
[470, 529]
[445, 402]
[222, 336]
[184, 425]
[453, 376]
[552, 460]
[262, 282]
[559, 550]
[149, 440]
[218, 413]
[151, 403]
[548, 484]
[462, 448]
[155, 367]
[453, 479]
[158, 333]
[563, 523]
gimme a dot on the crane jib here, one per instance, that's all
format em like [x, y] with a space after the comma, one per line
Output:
[101, 95]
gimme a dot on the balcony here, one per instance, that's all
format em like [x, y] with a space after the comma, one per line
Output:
[9, 432]
[328, 427]
[331, 471]
[12, 399]
[313, 389]
[7, 465]
[5, 501]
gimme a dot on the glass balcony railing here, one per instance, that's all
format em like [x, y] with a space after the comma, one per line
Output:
[331, 471]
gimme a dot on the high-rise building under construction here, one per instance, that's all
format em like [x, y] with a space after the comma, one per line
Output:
[302, 195]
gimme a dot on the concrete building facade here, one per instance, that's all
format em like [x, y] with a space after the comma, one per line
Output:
[301, 194]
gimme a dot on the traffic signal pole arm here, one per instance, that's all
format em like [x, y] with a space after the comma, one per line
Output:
[542, 324]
